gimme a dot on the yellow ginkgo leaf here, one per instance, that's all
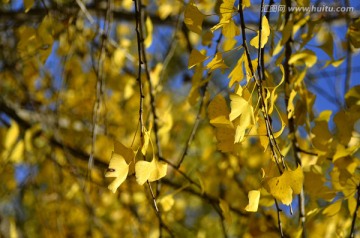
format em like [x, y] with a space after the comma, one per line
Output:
[237, 74]
[195, 58]
[193, 18]
[284, 186]
[306, 57]
[127, 153]
[167, 202]
[118, 168]
[151, 171]
[290, 106]
[230, 29]
[28, 4]
[254, 197]
[11, 135]
[265, 32]
[149, 29]
[216, 63]
[333, 208]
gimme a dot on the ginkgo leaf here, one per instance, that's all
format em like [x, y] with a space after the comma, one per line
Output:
[246, 120]
[218, 107]
[237, 74]
[238, 105]
[207, 38]
[354, 34]
[333, 208]
[145, 142]
[273, 95]
[216, 63]
[306, 57]
[195, 58]
[28, 4]
[287, 184]
[11, 135]
[290, 106]
[118, 168]
[193, 18]
[254, 197]
[230, 29]
[149, 32]
[167, 202]
[265, 32]
[127, 153]
[150, 171]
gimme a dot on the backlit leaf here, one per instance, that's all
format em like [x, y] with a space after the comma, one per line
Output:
[265, 32]
[195, 58]
[216, 63]
[333, 208]
[306, 57]
[254, 197]
[118, 168]
[287, 184]
[193, 18]
[150, 171]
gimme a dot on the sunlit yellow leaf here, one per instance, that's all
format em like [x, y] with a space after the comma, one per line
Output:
[150, 171]
[216, 63]
[237, 74]
[149, 32]
[167, 202]
[351, 205]
[265, 32]
[17, 154]
[284, 186]
[11, 135]
[127, 153]
[230, 29]
[146, 141]
[306, 57]
[195, 58]
[254, 197]
[118, 168]
[193, 18]
[333, 208]
[290, 106]
[119, 57]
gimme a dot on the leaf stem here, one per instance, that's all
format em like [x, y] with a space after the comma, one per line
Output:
[352, 231]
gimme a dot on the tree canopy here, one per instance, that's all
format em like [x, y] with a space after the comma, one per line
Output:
[170, 118]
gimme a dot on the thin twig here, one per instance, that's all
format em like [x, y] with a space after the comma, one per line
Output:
[279, 218]
[292, 128]
[143, 61]
[352, 231]
[198, 117]
[99, 91]
[272, 142]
